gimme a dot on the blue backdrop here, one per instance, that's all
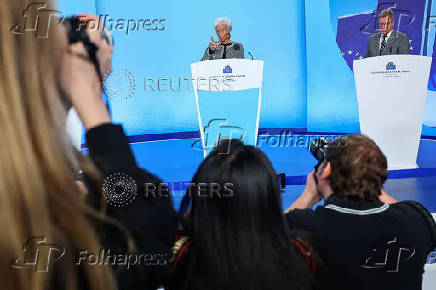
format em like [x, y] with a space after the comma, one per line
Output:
[307, 47]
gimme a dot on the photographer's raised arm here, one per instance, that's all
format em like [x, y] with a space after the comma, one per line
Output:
[309, 197]
[150, 220]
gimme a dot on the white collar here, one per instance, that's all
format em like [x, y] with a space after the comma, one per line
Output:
[387, 35]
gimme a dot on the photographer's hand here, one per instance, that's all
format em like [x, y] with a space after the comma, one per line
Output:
[310, 195]
[81, 83]
[105, 50]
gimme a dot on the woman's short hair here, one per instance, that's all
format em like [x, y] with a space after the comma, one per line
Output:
[224, 20]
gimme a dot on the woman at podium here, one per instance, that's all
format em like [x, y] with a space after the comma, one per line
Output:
[225, 47]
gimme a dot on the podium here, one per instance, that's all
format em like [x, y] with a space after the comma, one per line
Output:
[391, 93]
[228, 96]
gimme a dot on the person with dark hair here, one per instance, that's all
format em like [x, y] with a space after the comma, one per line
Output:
[368, 240]
[51, 237]
[235, 233]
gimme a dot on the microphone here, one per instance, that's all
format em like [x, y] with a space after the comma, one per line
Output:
[249, 53]
[390, 50]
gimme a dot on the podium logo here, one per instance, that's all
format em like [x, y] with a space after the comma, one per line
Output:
[388, 254]
[391, 66]
[37, 19]
[217, 130]
[227, 69]
[38, 254]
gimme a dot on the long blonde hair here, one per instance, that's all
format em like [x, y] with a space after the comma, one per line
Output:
[38, 195]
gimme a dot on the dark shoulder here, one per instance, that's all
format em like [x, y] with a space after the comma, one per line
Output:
[416, 216]
[302, 218]
[412, 209]
[237, 45]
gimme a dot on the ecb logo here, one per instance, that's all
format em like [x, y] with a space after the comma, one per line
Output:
[391, 66]
[227, 69]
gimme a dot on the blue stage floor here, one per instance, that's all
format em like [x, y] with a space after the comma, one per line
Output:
[177, 161]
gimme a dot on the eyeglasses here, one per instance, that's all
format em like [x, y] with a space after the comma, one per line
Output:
[384, 24]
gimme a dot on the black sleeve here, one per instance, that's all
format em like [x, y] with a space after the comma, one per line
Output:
[301, 219]
[150, 220]
[426, 217]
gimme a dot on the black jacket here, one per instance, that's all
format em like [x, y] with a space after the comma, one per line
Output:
[150, 220]
[370, 245]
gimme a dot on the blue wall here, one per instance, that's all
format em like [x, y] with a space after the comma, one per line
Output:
[307, 81]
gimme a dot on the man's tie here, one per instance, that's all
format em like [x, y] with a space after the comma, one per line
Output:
[383, 44]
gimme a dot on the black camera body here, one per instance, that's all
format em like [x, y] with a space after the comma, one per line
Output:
[76, 32]
[318, 150]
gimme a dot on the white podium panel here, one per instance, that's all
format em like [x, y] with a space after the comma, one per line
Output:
[391, 93]
[228, 98]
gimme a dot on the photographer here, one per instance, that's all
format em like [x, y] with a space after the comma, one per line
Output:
[240, 240]
[40, 200]
[366, 243]
[151, 222]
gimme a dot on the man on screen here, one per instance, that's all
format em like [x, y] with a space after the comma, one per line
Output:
[387, 41]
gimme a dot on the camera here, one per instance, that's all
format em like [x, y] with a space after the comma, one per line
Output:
[76, 32]
[318, 148]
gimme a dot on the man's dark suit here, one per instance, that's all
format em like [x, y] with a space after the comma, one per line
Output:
[397, 43]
